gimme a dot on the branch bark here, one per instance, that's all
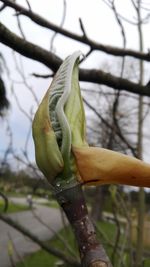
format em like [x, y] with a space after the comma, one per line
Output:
[80, 38]
[92, 253]
[141, 200]
[52, 61]
[28, 49]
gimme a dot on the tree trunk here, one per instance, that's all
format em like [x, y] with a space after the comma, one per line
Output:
[98, 203]
[141, 201]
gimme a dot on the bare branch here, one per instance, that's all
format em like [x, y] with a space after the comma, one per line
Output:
[6, 202]
[101, 77]
[86, 55]
[52, 61]
[20, 106]
[29, 5]
[2, 7]
[61, 25]
[12, 244]
[82, 28]
[44, 76]
[93, 45]
[109, 4]
[21, 72]
[105, 122]
[57, 234]
[28, 49]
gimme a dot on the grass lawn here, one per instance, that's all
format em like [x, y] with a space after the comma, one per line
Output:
[51, 204]
[13, 207]
[106, 232]
[43, 259]
[38, 259]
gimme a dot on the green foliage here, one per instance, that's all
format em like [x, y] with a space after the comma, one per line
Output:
[52, 204]
[147, 263]
[21, 183]
[38, 259]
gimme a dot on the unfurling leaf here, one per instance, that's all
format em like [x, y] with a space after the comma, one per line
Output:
[60, 122]
[62, 153]
[102, 166]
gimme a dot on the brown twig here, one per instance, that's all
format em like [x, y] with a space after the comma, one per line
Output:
[105, 122]
[53, 62]
[61, 25]
[95, 46]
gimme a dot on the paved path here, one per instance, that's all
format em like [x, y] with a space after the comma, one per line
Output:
[23, 245]
[23, 200]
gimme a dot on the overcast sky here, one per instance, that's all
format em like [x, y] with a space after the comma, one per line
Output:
[101, 26]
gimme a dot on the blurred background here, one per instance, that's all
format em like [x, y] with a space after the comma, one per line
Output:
[34, 37]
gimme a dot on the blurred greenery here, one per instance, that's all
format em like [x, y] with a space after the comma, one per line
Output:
[52, 204]
[41, 258]
[20, 184]
[13, 207]
[38, 259]
[44, 259]
[106, 232]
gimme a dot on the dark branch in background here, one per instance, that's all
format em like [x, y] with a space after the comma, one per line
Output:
[118, 232]
[29, 5]
[94, 45]
[9, 148]
[85, 36]
[86, 55]
[4, 103]
[35, 239]
[20, 28]
[14, 249]
[101, 77]
[83, 28]
[109, 4]
[3, 65]
[28, 49]
[61, 25]
[2, 7]
[119, 22]
[57, 234]
[6, 203]
[52, 61]
[20, 106]
[116, 127]
[105, 122]
[21, 72]
[44, 76]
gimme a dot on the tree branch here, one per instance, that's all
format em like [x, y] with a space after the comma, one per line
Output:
[28, 49]
[52, 61]
[101, 77]
[80, 38]
[6, 202]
